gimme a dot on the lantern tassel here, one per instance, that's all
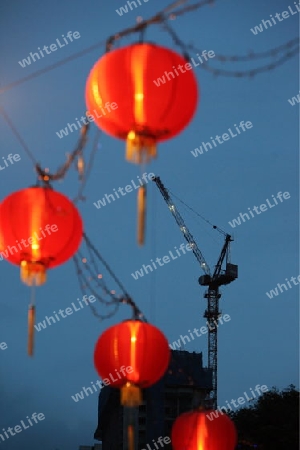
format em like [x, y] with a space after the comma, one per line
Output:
[131, 398]
[142, 206]
[131, 395]
[130, 417]
[31, 321]
[140, 148]
[130, 432]
[33, 273]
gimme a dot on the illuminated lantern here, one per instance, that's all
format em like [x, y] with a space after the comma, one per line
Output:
[39, 229]
[145, 113]
[126, 99]
[135, 344]
[131, 355]
[203, 430]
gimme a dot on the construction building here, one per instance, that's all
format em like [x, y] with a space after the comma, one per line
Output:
[185, 382]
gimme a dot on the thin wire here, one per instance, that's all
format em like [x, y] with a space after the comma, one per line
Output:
[174, 5]
[251, 55]
[89, 243]
[198, 214]
[61, 172]
[89, 166]
[193, 7]
[270, 53]
[158, 18]
[51, 67]
[93, 309]
[44, 175]
[137, 314]
[101, 284]
[18, 136]
[252, 72]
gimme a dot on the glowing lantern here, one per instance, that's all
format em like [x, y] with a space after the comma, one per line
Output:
[39, 229]
[126, 99]
[146, 112]
[131, 355]
[203, 430]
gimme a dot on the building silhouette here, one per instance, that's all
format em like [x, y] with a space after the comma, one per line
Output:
[181, 388]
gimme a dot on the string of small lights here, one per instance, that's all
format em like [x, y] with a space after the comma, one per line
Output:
[291, 48]
[90, 265]
[45, 178]
[85, 173]
[252, 55]
[251, 73]
[161, 18]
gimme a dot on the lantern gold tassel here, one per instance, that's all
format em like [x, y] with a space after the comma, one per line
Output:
[31, 321]
[131, 398]
[33, 273]
[140, 148]
[142, 205]
[130, 432]
[131, 395]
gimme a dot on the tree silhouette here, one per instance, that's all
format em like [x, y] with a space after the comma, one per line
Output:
[271, 423]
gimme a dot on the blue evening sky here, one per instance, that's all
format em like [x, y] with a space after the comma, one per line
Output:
[259, 345]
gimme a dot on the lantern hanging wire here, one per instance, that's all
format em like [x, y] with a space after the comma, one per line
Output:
[90, 268]
[45, 178]
[167, 14]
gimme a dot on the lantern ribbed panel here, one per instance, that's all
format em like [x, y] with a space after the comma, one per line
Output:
[194, 430]
[126, 76]
[28, 211]
[132, 343]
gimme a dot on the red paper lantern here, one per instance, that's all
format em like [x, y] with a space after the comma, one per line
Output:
[136, 345]
[201, 430]
[39, 229]
[125, 101]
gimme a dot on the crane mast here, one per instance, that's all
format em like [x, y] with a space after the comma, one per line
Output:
[213, 282]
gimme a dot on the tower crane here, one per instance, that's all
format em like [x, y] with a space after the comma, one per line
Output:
[213, 281]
